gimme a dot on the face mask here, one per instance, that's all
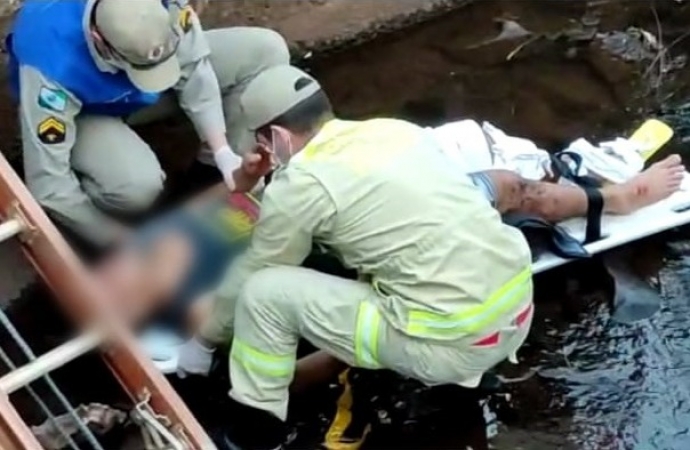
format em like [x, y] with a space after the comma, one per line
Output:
[282, 149]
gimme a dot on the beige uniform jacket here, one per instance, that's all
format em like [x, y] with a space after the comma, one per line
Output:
[385, 199]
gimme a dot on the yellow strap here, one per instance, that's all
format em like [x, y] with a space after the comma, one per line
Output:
[335, 436]
[472, 320]
[253, 359]
[367, 336]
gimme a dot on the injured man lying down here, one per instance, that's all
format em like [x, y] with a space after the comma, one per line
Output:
[165, 271]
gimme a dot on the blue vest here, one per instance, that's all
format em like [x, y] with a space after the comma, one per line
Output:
[49, 36]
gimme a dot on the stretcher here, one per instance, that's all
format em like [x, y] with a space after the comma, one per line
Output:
[163, 416]
[620, 230]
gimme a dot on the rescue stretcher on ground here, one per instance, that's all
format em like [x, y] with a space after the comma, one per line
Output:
[616, 231]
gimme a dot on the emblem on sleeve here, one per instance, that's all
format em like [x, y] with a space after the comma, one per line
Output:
[51, 131]
[52, 99]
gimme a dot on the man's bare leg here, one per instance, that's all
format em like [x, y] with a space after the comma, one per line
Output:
[315, 370]
[555, 202]
[141, 282]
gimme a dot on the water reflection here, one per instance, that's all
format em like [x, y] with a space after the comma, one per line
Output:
[619, 386]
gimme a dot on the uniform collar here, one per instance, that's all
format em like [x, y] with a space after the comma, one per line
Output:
[328, 130]
[101, 63]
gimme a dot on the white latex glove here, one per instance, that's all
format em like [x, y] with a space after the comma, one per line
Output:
[194, 359]
[227, 161]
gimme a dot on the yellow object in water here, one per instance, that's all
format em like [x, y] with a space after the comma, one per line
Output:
[652, 135]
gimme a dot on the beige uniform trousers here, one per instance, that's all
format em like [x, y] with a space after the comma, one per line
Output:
[120, 170]
[280, 305]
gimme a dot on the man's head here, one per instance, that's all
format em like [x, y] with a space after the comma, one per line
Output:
[285, 107]
[141, 39]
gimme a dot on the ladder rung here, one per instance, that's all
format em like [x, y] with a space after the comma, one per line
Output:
[10, 229]
[50, 361]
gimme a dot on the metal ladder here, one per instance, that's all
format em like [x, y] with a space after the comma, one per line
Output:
[159, 409]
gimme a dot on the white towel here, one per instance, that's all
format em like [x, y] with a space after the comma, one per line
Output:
[465, 144]
[615, 161]
[475, 148]
[517, 154]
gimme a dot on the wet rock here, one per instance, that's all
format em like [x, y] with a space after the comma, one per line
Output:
[631, 45]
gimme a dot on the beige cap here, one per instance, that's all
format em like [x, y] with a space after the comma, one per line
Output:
[143, 35]
[274, 92]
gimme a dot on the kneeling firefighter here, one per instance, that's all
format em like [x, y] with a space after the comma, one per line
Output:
[445, 288]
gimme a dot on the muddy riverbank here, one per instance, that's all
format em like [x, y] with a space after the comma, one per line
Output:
[548, 70]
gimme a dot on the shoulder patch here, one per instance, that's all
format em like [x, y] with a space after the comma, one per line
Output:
[185, 18]
[51, 131]
[52, 99]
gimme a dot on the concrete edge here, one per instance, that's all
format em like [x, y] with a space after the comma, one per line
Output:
[396, 22]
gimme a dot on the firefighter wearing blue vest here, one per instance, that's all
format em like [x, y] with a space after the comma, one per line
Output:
[445, 289]
[83, 71]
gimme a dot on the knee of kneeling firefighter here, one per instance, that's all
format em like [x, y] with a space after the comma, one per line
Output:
[264, 295]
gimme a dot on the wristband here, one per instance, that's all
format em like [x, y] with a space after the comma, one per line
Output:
[226, 160]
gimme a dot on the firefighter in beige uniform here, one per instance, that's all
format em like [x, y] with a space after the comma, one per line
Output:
[448, 292]
[84, 70]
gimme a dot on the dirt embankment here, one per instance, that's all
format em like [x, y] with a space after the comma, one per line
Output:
[549, 69]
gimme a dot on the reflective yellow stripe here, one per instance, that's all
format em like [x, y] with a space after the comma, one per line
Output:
[367, 336]
[473, 320]
[252, 359]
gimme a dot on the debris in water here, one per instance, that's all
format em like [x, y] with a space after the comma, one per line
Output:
[519, 379]
[634, 44]
[510, 30]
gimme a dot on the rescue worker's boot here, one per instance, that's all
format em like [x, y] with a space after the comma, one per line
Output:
[490, 384]
[252, 429]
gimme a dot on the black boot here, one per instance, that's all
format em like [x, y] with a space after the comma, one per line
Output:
[253, 429]
[490, 384]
